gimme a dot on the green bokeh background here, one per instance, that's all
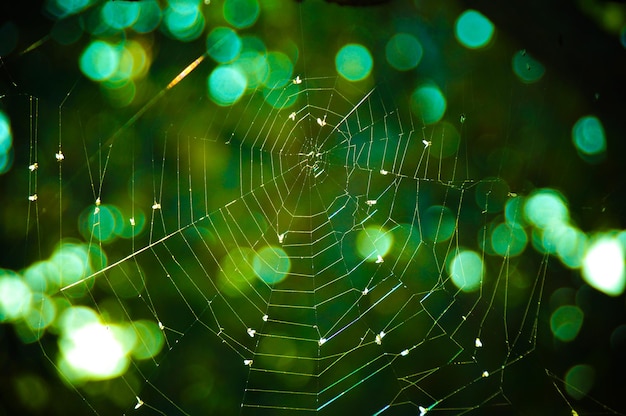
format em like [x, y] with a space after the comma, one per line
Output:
[517, 131]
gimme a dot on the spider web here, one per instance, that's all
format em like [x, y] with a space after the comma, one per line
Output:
[314, 174]
[296, 256]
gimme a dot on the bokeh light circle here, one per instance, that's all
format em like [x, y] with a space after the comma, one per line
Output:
[227, 83]
[473, 30]
[588, 136]
[99, 60]
[223, 44]
[241, 13]
[527, 68]
[466, 270]
[403, 51]
[354, 62]
[271, 264]
[373, 243]
[428, 103]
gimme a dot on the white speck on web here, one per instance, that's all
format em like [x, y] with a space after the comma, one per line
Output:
[139, 403]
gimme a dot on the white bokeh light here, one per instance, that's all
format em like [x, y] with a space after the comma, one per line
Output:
[95, 351]
[603, 266]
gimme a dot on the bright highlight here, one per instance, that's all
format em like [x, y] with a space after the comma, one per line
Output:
[466, 270]
[473, 30]
[546, 208]
[223, 44]
[100, 60]
[428, 103]
[354, 62]
[588, 136]
[603, 266]
[6, 143]
[15, 297]
[271, 264]
[227, 83]
[91, 350]
[373, 243]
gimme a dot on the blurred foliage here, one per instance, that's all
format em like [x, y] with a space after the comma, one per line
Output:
[59, 96]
